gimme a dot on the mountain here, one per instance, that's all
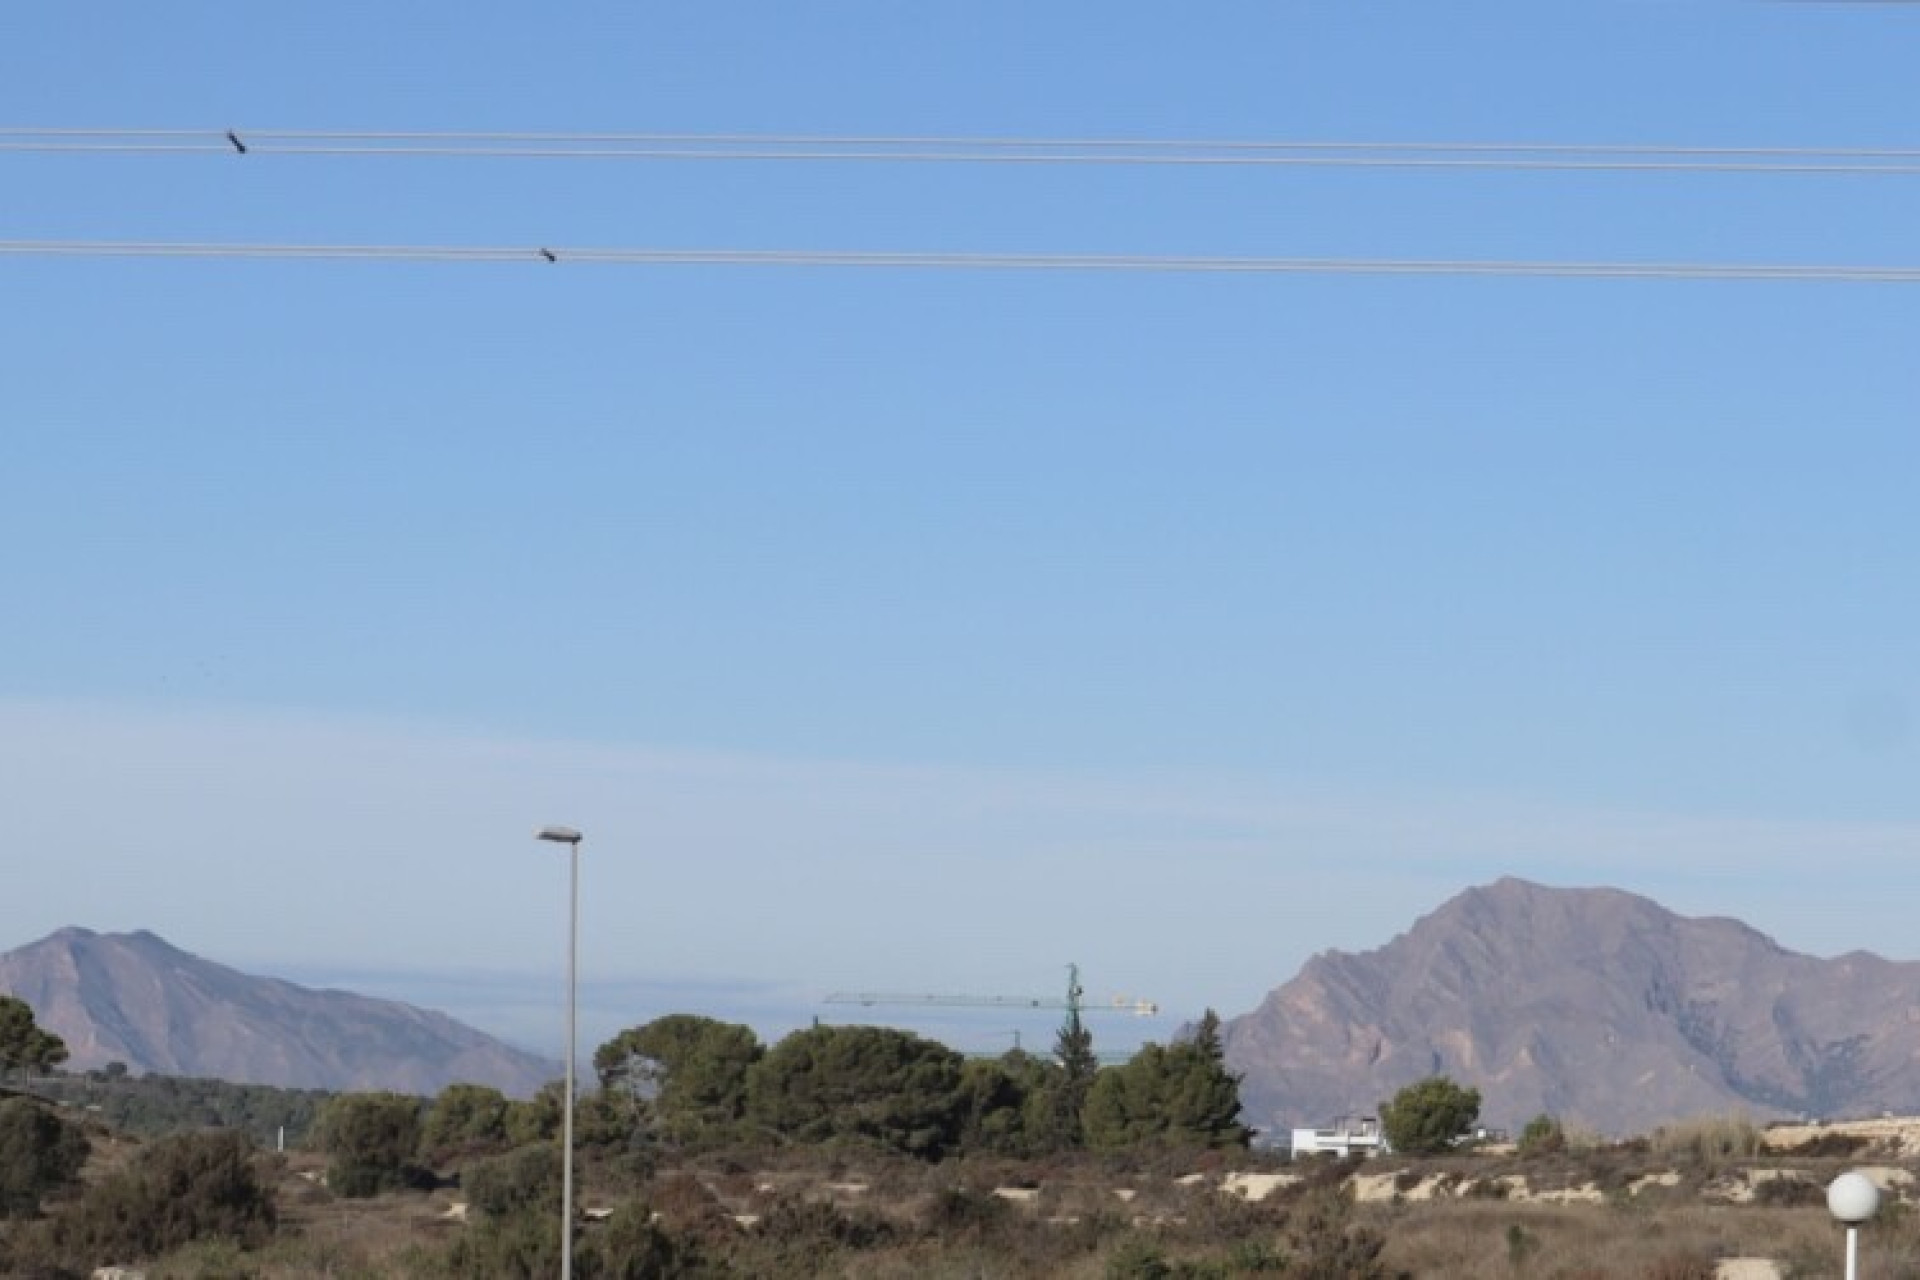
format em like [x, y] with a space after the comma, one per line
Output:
[133, 998]
[1593, 1005]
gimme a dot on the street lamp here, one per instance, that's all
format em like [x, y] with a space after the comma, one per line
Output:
[571, 838]
[1852, 1198]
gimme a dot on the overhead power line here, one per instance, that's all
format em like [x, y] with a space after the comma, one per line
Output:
[941, 260]
[881, 148]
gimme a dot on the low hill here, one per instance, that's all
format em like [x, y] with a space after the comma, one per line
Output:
[1594, 1005]
[134, 998]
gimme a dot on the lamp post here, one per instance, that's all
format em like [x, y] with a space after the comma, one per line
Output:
[571, 838]
[1852, 1198]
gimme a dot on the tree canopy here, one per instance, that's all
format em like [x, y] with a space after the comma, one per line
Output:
[1177, 1095]
[691, 1071]
[465, 1117]
[873, 1084]
[24, 1045]
[1425, 1117]
[373, 1138]
[156, 1105]
[1006, 1104]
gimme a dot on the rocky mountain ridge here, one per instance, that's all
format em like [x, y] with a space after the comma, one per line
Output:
[135, 998]
[1594, 1005]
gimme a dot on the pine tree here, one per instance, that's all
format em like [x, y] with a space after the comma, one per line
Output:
[1180, 1096]
[1074, 1048]
[23, 1044]
[1205, 1105]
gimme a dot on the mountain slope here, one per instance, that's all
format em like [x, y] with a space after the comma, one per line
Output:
[134, 998]
[1594, 1005]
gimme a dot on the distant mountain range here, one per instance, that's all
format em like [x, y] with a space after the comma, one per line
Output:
[1594, 1005]
[134, 998]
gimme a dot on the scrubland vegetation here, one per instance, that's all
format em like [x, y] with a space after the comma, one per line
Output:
[204, 1205]
[874, 1154]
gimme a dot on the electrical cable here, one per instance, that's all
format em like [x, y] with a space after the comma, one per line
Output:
[965, 261]
[1502, 155]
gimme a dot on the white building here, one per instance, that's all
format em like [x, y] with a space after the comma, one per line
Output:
[1346, 1136]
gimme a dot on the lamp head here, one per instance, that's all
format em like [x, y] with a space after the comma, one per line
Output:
[558, 835]
[1852, 1198]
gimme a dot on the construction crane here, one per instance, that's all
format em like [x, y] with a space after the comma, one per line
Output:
[1075, 1003]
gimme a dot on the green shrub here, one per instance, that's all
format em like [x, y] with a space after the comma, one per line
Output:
[1256, 1257]
[528, 1177]
[39, 1154]
[373, 1139]
[215, 1259]
[520, 1246]
[1136, 1257]
[958, 1211]
[537, 1118]
[1521, 1246]
[1543, 1135]
[634, 1247]
[198, 1186]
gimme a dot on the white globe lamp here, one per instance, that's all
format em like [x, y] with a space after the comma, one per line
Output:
[1852, 1198]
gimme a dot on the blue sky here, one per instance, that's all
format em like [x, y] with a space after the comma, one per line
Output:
[905, 629]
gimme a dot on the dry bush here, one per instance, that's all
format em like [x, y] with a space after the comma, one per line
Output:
[1204, 1215]
[1327, 1171]
[1708, 1141]
[1828, 1145]
[1327, 1240]
[1091, 1199]
[1578, 1139]
[1681, 1266]
[1611, 1168]
[680, 1196]
[1787, 1190]
[686, 1207]
[734, 1187]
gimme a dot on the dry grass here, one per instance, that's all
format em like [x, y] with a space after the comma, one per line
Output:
[1562, 1242]
[1709, 1141]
